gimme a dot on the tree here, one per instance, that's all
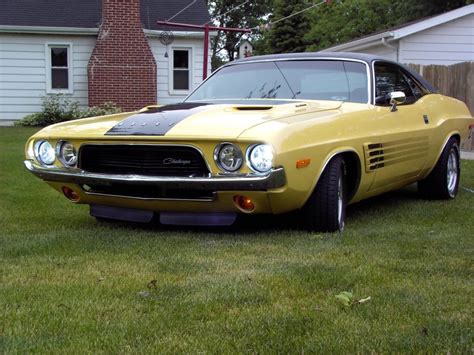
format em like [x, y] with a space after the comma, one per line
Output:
[228, 13]
[288, 34]
[344, 20]
[423, 8]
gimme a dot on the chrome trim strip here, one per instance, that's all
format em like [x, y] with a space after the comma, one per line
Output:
[274, 179]
[333, 155]
[370, 92]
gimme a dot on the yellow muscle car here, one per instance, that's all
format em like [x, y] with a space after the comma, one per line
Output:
[310, 132]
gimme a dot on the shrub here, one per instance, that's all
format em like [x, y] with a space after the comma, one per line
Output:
[59, 108]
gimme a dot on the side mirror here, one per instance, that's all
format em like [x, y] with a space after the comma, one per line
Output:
[396, 98]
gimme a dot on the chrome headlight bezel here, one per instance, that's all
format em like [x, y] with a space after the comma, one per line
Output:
[218, 158]
[253, 165]
[47, 159]
[68, 162]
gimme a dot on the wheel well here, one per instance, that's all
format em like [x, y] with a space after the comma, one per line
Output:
[353, 171]
[458, 138]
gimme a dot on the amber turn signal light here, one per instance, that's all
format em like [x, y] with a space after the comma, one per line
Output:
[246, 204]
[302, 163]
[70, 194]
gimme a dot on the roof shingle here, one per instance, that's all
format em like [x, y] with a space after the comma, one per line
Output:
[88, 13]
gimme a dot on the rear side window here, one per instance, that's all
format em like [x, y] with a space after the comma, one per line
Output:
[416, 88]
[390, 78]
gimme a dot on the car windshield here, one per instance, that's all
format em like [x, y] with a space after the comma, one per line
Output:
[297, 79]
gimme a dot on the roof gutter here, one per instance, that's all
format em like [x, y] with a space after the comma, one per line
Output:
[90, 31]
[358, 44]
[49, 30]
[392, 47]
[179, 34]
[386, 44]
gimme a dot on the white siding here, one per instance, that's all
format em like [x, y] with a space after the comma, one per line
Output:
[446, 44]
[380, 50]
[23, 71]
[164, 64]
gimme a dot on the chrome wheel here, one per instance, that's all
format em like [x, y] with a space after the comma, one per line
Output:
[452, 172]
[340, 203]
[443, 181]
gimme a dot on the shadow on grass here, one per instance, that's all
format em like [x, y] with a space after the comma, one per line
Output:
[267, 225]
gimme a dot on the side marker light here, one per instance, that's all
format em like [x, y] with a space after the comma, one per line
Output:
[302, 163]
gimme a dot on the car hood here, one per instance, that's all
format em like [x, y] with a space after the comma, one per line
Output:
[188, 120]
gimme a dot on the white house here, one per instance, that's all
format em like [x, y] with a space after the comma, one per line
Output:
[444, 40]
[97, 51]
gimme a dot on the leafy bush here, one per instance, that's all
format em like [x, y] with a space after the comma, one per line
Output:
[59, 108]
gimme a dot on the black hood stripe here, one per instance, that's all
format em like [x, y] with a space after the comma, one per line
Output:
[155, 121]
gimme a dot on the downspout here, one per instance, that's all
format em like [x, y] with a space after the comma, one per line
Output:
[388, 45]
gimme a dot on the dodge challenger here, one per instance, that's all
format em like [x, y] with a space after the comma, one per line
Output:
[307, 132]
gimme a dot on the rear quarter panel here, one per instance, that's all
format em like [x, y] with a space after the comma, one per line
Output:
[449, 117]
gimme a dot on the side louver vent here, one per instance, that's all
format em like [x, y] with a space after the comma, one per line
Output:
[380, 155]
[376, 156]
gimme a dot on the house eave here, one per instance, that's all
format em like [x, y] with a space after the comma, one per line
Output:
[89, 31]
[179, 34]
[360, 43]
[49, 30]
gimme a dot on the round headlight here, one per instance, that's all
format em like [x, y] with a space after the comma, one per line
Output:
[228, 157]
[45, 152]
[261, 158]
[67, 153]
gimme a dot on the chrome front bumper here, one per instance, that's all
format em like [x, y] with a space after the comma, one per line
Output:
[274, 179]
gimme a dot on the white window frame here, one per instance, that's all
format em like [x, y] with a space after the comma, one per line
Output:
[49, 68]
[190, 50]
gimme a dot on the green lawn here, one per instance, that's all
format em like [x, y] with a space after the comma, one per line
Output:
[71, 285]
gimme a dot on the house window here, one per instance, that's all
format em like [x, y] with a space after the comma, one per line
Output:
[59, 71]
[181, 81]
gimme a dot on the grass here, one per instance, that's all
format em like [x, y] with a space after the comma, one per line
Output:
[72, 285]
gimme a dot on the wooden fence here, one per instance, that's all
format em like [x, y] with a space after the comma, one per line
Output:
[456, 81]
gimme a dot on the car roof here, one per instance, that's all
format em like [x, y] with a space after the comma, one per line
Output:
[363, 57]
[368, 58]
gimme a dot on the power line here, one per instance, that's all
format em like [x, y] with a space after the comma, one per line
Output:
[184, 9]
[225, 13]
[290, 16]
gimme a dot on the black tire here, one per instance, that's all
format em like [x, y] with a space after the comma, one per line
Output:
[443, 181]
[325, 210]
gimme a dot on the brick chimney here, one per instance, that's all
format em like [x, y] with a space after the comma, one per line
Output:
[122, 68]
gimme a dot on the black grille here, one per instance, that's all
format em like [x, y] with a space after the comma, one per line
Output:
[150, 160]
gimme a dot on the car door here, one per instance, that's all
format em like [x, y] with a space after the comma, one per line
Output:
[397, 151]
